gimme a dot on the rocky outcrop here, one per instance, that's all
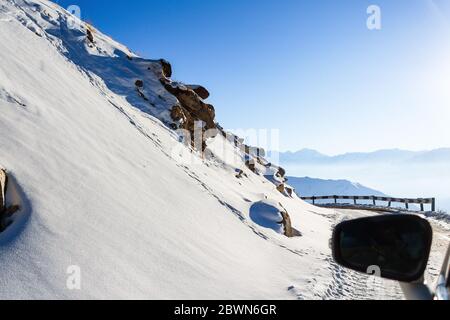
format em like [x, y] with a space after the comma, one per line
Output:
[251, 165]
[89, 35]
[281, 172]
[139, 84]
[289, 230]
[192, 103]
[166, 68]
[240, 174]
[192, 110]
[281, 188]
[3, 183]
[5, 211]
[200, 91]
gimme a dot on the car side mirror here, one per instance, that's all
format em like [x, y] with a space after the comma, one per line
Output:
[397, 246]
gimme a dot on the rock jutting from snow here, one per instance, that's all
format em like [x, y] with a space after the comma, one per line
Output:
[190, 109]
[89, 35]
[272, 215]
[166, 68]
[200, 90]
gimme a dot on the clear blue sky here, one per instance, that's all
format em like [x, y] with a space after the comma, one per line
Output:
[308, 67]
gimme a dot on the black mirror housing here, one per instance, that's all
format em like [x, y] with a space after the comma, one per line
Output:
[397, 245]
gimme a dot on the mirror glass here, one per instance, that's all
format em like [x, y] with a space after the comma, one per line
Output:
[398, 246]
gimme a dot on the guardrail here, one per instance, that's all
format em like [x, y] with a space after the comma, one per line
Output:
[390, 201]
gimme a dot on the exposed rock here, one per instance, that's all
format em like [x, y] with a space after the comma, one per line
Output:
[200, 90]
[240, 174]
[190, 101]
[281, 188]
[191, 110]
[5, 212]
[90, 35]
[289, 191]
[177, 113]
[289, 231]
[251, 165]
[139, 83]
[166, 68]
[141, 94]
[281, 172]
[253, 151]
[3, 184]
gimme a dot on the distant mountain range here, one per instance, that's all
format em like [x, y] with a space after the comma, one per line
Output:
[391, 156]
[309, 187]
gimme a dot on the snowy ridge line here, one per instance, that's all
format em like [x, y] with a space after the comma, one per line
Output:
[401, 200]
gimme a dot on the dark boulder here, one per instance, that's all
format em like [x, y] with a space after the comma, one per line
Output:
[289, 231]
[192, 104]
[166, 68]
[251, 164]
[281, 172]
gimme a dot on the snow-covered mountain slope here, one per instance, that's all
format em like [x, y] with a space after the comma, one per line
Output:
[389, 156]
[105, 185]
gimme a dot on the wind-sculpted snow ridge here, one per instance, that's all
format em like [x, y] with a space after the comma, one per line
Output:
[110, 188]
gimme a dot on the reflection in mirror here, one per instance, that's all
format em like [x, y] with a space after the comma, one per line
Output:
[399, 245]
